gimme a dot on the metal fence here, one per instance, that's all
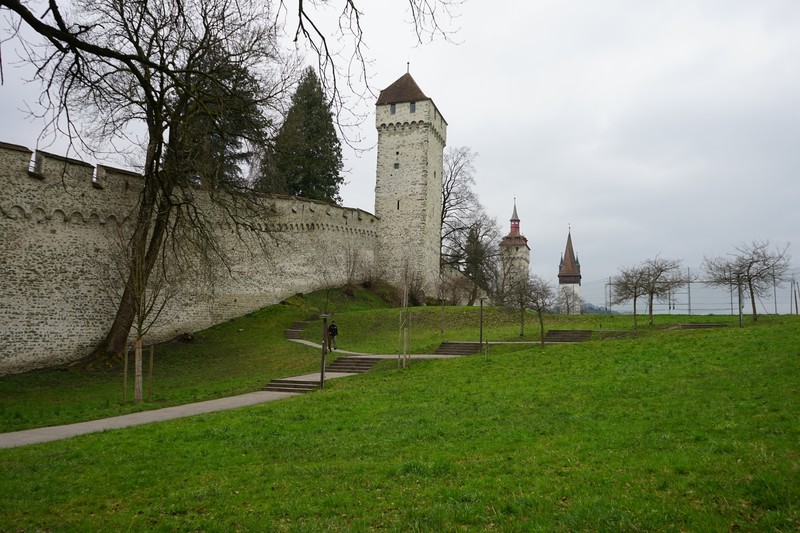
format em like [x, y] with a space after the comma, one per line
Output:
[697, 298]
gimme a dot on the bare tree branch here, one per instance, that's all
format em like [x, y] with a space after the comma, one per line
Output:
[757, 265]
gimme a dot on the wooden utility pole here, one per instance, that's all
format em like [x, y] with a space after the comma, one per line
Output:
[324, 350]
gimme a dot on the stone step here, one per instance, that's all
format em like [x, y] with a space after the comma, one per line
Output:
[458, 348]
[568, 335]
[291, 385]
[295, 330]
[355, 365]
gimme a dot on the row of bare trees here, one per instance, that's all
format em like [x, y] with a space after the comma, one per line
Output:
[754, 267]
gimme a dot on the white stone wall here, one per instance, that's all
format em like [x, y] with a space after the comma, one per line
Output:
[57, 231]
[516, 260]
[408, 190]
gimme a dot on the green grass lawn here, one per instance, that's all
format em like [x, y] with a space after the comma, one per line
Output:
[670, 431]
[244, 354]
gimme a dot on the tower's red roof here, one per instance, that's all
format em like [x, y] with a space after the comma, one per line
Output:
[569, 271]
[404, 89]
[514, 237]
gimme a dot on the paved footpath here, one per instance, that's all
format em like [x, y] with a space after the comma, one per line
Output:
[47, 434]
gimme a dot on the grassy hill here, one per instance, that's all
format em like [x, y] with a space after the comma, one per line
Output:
[673, 430]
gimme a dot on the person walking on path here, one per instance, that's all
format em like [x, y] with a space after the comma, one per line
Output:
[333, 331]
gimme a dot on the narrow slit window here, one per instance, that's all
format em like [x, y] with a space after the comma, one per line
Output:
[392, 108]
[398, 205]
[413, 107]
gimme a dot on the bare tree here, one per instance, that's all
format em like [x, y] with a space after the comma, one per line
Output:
[518, 296]
[569, 301]
[758, 265]
[529, 292]
[540, 300]
[340, 51]
[663, 276]
[460, 204]
[654, 279]
[629, 285]
[454, 287]
[150, 296]
[504, 277]
[354, 267]
[474, 252]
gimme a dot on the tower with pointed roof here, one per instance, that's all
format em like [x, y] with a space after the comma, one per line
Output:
[514, 253]
[411, 138]
[569, 280]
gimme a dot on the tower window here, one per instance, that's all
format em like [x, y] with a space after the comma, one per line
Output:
[398, 205]
[397, 165]
[413, 107]
[392, 108]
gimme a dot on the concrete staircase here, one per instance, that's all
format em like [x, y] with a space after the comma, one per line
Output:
[291, 385]
[352, 365]
[458, 348]
[295, 331]
[568, 335]
[349, 365]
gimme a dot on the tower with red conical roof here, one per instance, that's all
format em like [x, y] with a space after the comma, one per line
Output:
[569, 280]
[408, 188]
[514, 253]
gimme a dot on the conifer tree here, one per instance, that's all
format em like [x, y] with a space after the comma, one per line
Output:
[305, 158]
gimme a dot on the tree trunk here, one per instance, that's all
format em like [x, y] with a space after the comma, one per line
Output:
[541, 328]
[473, 295]
[650, 309]
[117, 337]
[522, 322]
[137, 365]
[752, 299]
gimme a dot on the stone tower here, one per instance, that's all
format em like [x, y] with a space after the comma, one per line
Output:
[515, 254]
[408, 188]
[569, 280]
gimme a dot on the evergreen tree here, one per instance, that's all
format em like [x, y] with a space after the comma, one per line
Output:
[220, 128]
[305, 158]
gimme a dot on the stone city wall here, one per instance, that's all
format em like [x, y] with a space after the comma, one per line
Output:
[61, 219]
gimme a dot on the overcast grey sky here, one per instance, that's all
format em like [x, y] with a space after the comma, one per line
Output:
[668, 128]
[650, 127]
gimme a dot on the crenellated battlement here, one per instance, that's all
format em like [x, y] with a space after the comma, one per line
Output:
[43, 187]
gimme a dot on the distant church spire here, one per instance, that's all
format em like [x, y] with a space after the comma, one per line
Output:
[515, 253]
[515, 221]
[569, 271]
